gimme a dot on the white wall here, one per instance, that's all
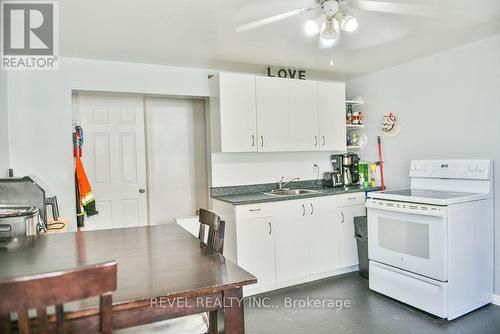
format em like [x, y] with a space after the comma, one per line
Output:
[250, 168]
[4, 137]
[40, 122]
[39, 109]
[448, 106]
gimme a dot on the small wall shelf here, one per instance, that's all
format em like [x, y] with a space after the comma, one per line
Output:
[354, 102]
[354, 126]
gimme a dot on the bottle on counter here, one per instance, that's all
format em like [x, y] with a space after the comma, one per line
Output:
[363, 173]
[373, 174]
[348, 117]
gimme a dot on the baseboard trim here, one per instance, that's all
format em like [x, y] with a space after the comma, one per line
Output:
[496, 300]
[250, 290]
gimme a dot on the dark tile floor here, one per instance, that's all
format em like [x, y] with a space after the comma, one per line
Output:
[369, 312]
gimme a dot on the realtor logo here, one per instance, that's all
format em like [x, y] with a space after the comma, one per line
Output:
[29, 35]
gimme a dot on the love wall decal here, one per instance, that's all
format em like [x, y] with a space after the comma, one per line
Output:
[289, 73]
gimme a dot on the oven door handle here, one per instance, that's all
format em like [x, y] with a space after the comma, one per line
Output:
[372, 205]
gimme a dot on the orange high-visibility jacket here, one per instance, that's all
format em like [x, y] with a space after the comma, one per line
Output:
[87, 199]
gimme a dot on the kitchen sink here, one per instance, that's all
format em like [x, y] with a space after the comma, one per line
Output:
[291, 192]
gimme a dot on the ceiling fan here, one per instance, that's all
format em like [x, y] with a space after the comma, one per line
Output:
[333, 17]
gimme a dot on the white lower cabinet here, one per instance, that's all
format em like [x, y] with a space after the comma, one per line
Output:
[292, 240]
[289, 242]
[306, 237]
[349, 207]
[255, 240]
[324, 235]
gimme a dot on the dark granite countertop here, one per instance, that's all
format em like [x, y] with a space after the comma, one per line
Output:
[241, 195]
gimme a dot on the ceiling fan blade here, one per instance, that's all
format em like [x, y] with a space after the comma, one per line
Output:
[392, 7]
[275, 18]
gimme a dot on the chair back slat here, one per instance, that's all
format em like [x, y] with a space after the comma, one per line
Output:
[22, 321]
[5, 323]
[216, 227]
[60, 326]
[41, 318]
[40, 291]
[106, 304]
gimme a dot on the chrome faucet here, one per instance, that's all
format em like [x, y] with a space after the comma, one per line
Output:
[281, 184]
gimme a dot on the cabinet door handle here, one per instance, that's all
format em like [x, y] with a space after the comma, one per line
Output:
[315, 140]
[261, 141]
[324, 140]
[270, 228]
[253, 140]
[312, 209]
[254, 210]
[303, 210]
[343, 218]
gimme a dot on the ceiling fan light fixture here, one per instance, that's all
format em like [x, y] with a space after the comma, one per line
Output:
[313, 27]
[330, 29]
[330, 34]
[348, 23]
[325, 43]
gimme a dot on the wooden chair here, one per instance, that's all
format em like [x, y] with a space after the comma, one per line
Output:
[215, 225]
[215, 241]
[40, 291]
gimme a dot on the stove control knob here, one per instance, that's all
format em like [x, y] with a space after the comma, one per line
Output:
[472, 168]
[481, 168]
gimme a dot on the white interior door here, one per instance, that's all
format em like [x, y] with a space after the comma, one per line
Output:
[115, 159]
[177, 159]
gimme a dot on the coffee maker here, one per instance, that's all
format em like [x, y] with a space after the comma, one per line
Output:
[345, 170]
[350, 162]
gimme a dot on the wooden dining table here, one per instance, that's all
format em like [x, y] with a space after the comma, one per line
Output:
[163, 272]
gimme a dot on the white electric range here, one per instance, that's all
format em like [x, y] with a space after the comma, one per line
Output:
[431, 246]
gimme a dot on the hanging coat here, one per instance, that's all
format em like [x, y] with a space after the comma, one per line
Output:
[80, 215]
[87, 199]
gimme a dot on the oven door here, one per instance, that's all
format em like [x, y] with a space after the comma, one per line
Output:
[409, 236]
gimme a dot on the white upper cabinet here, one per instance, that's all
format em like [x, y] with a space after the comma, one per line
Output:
[303, 114]
[233, 116]
[251, 113]
[331, 104]
[272, 114]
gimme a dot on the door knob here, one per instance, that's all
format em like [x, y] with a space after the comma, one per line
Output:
[142, 191]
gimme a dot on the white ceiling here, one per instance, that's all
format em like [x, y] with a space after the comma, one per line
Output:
[200, 33]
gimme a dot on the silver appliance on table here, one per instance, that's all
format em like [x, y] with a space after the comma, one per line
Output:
[23, 206]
